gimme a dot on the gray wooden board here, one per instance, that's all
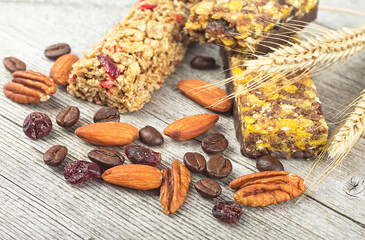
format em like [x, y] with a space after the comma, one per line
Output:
[37, 203]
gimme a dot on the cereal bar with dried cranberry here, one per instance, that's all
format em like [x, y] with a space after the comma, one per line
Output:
[283, 119]
[249, 25]
[135, 57]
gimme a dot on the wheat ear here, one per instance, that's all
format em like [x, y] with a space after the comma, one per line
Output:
[342, 141]
[349, 132]
[314, 55]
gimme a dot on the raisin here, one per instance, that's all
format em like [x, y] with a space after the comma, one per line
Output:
[219, 27]
[37, 125]
[216, 27]
[81, 171]
[141, 155]
[227, 211]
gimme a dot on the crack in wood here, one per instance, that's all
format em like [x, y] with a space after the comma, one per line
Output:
[11, 120]
[338, 212]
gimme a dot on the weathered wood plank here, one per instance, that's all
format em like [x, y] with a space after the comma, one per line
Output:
[37, 197]
[23, 206]
[338, 20]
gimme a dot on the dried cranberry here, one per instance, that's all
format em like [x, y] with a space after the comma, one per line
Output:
[180, 20]
[111, 67]
[107, 84]
[81, 171]
[72, 79]
[141, 155]
[147, 6]
[227, 211]
[37, 125]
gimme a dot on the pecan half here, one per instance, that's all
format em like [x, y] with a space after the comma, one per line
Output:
[175, 187]
[29, 87]
[265, 188]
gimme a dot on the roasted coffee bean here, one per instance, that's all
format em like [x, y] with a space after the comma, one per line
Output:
[55, 155]
[68, 116]
[57, 50]
[214, 143]
[106, 114]
[218, 167]
[201, 62]
[208, 188]
[150, 136]
[195, 162]
[13, 64]
[106, 157]
[269, 163]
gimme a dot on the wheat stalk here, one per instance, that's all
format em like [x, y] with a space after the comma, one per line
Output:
[313, 55]
[329, 48]
[341, 142]
[348, 133]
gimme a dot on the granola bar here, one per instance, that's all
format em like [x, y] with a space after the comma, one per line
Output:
[135, 57]
[252, 25]
[283, 119]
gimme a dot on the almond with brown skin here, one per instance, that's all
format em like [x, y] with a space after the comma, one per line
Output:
[29, 87]
[108, 133]
[175, 187]
[206, 94]
[191, 127]
[61, 69]
[142, 177]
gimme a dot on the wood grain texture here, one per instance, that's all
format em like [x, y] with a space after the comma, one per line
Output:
[37, 203]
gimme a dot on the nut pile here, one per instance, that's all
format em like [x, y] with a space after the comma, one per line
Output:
[270, 186]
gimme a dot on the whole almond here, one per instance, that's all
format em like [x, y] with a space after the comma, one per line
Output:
[191, 127]
[61, 69]
[108, 133]
[206, 94]
[142, 177]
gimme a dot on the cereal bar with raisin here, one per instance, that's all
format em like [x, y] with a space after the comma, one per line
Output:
[135, 57]
[280, 118]
[249, 25]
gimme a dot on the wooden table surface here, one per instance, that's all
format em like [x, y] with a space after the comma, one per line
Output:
[37, 203]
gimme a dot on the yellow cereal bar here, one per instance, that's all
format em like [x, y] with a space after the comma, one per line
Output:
[282, 119]
[135, 57]
[253, 25]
